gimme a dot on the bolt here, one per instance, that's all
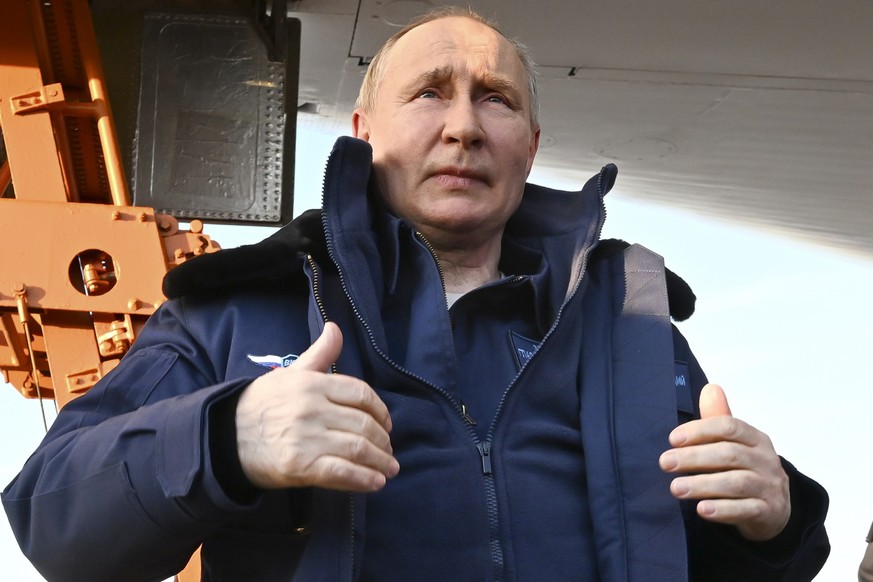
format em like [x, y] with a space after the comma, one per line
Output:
[141, 217]
[19, 288]
[116, 215]
[196, 226]
[133, 304]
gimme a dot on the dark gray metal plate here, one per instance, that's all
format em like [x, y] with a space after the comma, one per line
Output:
[211, 127]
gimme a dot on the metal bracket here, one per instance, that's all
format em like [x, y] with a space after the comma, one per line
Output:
[48, 97]
[118, 339]
[80, 382]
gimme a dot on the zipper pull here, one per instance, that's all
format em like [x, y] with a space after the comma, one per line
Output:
[465, 414]
[485, 452]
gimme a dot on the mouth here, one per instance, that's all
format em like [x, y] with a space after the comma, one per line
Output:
[459, 177]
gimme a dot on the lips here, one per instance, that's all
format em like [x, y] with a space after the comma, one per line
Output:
[457, 176]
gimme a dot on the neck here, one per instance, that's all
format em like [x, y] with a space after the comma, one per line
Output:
[465, 270]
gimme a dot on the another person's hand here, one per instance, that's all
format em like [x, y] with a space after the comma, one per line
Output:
[300, 426]
[731, 467]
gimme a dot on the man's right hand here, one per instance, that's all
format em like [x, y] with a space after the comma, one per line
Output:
[300, 426]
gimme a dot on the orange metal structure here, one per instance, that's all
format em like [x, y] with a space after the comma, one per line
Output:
[80, 269]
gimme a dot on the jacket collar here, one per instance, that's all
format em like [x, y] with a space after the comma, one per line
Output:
[561, 225]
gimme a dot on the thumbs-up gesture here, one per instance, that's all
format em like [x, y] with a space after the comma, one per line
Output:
[731, 467]
[300, 426]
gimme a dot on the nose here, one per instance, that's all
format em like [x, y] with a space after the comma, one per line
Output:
[462, 124]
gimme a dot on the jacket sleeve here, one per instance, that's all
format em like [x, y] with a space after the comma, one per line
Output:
[718, 553]
[123, 487]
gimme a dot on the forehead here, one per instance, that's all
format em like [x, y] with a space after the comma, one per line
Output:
[459, 44]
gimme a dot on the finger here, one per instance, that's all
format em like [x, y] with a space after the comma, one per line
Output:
[716, 429]
[735, 484]
[732, 511]
[341, 474]
[323, 352]
[713, 402]
[736, 498]
[717, 456]
[355, 393]
[355, 449]
[355, 421]
[752, 517]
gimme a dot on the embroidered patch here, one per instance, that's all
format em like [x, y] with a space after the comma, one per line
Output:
[522, 348]
[273, 362]
[683, 387]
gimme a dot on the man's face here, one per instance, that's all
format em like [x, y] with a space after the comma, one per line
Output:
[450, 130]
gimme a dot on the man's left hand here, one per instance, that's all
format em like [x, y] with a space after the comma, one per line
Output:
[731, 467]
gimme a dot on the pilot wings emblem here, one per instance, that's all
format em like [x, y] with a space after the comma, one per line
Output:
[270, 361]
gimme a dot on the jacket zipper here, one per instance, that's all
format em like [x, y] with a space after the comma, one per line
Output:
[490, 490]
[319, 302]
[554, 326]
[483, 447]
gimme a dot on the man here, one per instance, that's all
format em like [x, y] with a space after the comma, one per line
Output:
[516, 435]
[865, 570]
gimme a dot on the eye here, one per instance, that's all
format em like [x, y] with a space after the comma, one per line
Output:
[500, 99]
[427, 94]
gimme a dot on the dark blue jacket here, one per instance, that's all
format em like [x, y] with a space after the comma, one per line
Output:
[137, 473]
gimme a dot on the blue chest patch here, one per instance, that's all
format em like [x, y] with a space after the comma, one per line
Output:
[522, 348]
[683, 387]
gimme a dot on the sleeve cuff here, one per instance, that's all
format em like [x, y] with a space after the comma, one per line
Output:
[220, 429]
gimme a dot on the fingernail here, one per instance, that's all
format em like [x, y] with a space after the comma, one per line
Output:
[669, 461]
[706, 508]
[393, 468]
[677, 437]
[680, 487]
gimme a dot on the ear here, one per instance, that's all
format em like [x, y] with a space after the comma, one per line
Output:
[360, 125]
[534, 146]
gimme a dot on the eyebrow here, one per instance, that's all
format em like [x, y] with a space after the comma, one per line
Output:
[491, 81]
[431, 77]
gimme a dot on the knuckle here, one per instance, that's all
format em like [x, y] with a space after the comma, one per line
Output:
[290, 460]
[758, 511]
[361, 391]
[337, 471]
[365, 424]
[744, 484]
[329, 471]
[730, 427]
[732, 455]
[357, 447]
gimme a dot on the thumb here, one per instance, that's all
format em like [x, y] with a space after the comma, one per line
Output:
[324, 351]
[713, 402]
